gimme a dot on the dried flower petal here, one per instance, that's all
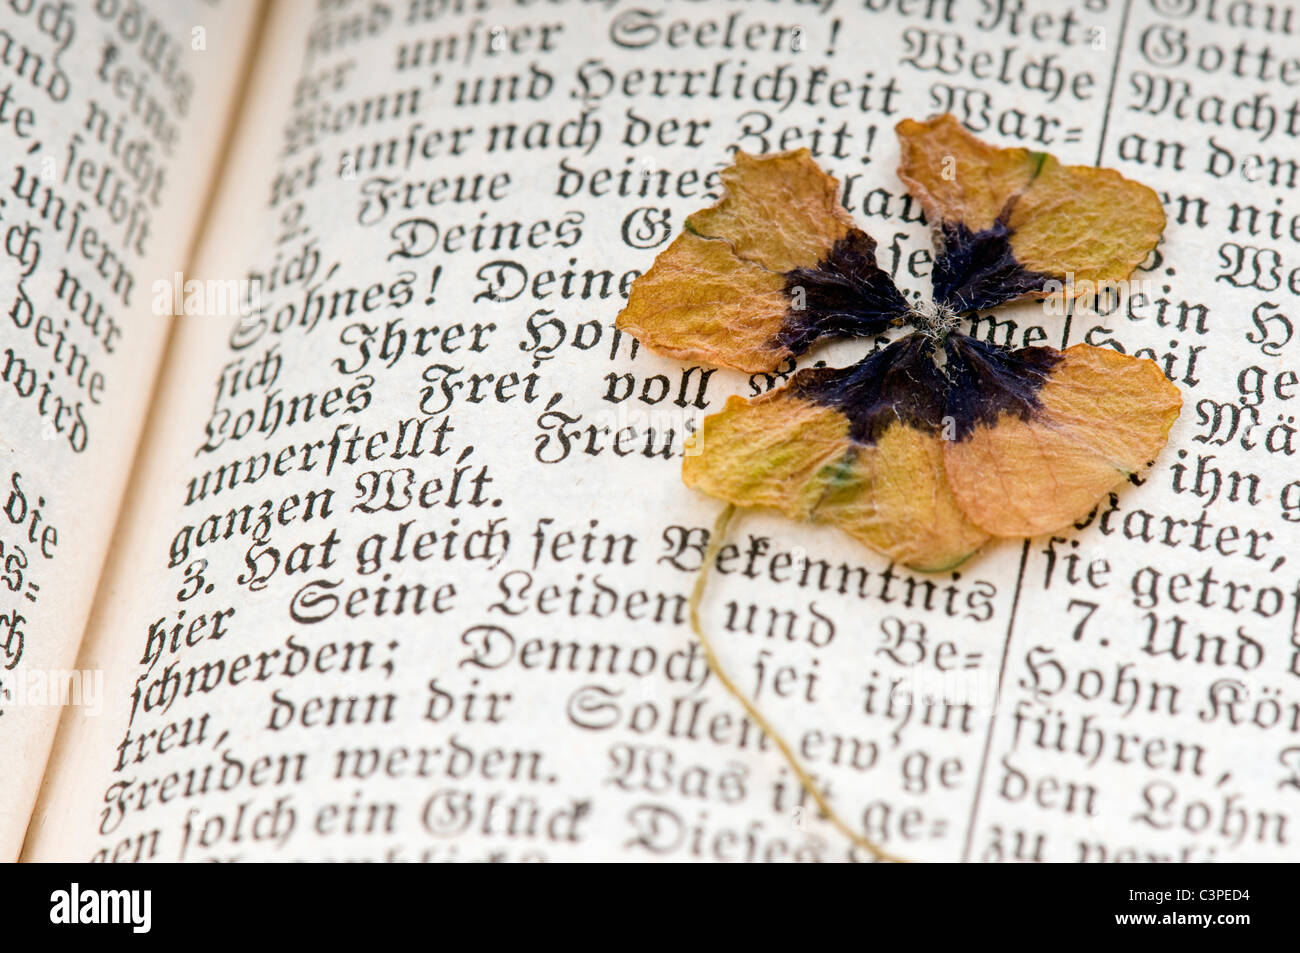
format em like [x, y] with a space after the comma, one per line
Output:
[781, 211]
[756, 279]
[859, 448]
[1009, 221]
[699, 302]
[1052, 431]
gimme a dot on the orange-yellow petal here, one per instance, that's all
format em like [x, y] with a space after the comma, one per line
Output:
[1090, 225]
[957, 177]
[1011, 222]
[780, 210]
[699, 302]
[1079, 425]
[860, 449]
[757, 278]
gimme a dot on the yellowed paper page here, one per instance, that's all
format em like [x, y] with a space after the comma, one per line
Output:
[111, 119]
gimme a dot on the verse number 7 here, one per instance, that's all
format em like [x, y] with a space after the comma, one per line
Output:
[1088, 609]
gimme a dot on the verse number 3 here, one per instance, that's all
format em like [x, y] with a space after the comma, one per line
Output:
[194, 582]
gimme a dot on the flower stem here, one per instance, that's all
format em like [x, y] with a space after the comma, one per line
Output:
[805, 779]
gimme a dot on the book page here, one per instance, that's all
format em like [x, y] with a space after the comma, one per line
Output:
[111, 114]
[405, 576]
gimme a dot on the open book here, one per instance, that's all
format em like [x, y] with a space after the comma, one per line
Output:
[340, 522]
